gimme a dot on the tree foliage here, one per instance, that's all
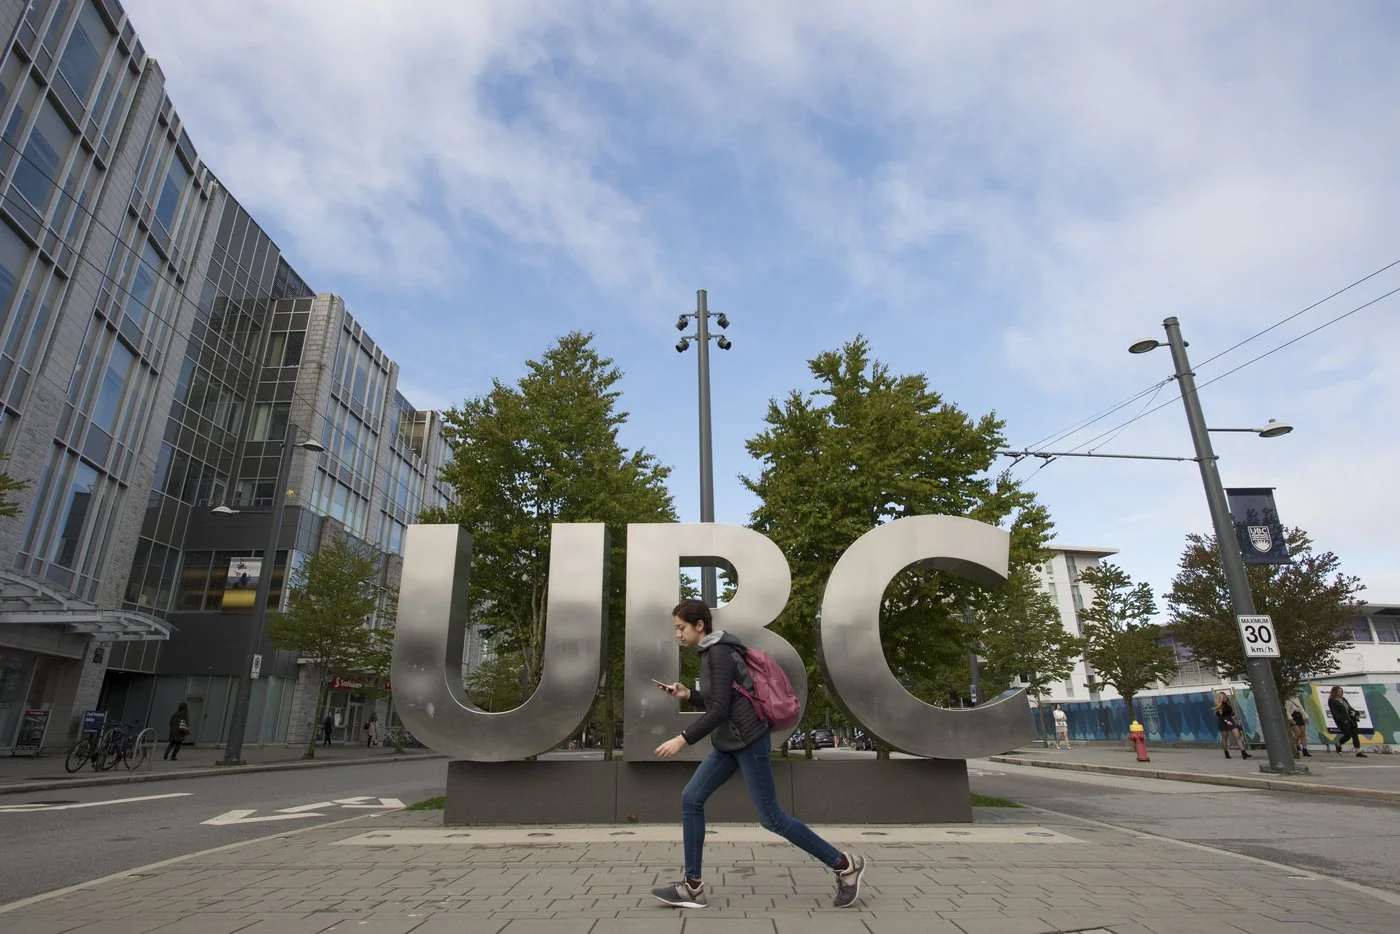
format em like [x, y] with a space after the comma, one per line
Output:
[8, 485]
[864, 448]
[496, 683]
[1310, 601]
[1022, 636]
[333, 594]
[1121, 641]
[528, 455]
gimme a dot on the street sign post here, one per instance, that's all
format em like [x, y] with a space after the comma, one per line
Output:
[1257, 634]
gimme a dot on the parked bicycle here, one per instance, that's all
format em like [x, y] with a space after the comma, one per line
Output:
[117, 743]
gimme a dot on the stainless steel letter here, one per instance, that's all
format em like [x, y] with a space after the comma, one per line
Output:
[655, 554]
[854, 663]
[429, 636]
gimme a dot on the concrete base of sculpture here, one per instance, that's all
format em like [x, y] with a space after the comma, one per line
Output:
[852, 791]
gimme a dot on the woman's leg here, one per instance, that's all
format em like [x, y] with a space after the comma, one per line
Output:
[716, 769]
[758, 779]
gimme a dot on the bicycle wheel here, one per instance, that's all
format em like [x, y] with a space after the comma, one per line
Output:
[79, 755]
[141, 748]
[109, 752]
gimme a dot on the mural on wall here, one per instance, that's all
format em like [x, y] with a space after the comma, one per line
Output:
[1190, 718]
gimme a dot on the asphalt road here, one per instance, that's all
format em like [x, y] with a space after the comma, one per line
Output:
[1342, 837]
[61, 845]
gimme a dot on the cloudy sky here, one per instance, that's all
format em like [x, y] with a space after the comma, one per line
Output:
[1003, 196]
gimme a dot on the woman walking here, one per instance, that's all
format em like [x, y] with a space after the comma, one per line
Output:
[1229, 726]
[372, 730]
[739, 743]
[1347, 719]
[179, 729]
[1298, 725]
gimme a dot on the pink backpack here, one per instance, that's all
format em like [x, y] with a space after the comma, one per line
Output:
[772, 697]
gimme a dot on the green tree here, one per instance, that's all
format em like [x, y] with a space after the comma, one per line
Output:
[1022, 636]
[333, 594]
[496, 683]
[376, 661]
[867, 447]
[8, 485]
[528, 455]
[1121, 639]
[1310, 601]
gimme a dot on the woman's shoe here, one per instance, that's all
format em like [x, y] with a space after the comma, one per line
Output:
[1360, 754]
[1306, 754]
[1244, 755]
[1227, 753]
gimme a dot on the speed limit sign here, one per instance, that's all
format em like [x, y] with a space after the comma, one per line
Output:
[1257, 633]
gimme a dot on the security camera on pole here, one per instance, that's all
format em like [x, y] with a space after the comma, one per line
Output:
[702, 314]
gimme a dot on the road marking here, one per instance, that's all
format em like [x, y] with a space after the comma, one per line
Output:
[17, 808]
[242, 816]
[384, 803]
[306, 807]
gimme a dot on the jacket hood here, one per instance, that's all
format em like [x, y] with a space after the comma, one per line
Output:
[717, 637]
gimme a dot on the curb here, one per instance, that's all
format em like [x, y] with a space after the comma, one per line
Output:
[1207, 778]
[213, 771]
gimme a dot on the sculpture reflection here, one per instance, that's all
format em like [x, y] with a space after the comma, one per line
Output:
[854, 663]
[431, 629]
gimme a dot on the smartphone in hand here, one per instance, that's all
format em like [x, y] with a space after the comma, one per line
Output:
[661, 684]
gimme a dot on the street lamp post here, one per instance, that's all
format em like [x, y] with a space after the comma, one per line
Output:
[238, 724]
[709, 592]
[1261, 676]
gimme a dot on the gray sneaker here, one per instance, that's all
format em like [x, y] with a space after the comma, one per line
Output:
[681, 895]
[848, 881]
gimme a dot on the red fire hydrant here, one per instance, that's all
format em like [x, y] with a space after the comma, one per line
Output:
[1138, 737]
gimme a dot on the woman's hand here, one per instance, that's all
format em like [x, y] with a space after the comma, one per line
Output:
[676, 690]
[672, 746]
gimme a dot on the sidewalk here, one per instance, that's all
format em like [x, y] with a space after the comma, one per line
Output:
[20, 774]
[1012, 872]
[1376, 777]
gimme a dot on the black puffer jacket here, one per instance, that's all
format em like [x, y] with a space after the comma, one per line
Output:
[729, 715]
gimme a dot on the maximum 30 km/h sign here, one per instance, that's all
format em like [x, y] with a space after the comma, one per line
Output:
[1257, 633]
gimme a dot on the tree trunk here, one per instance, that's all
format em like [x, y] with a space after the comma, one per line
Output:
[1132, 715]
[609, 723]
[322, 696]
[1044, 724]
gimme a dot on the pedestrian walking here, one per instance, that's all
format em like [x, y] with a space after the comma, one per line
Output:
[179, 729]
[1347, 718]
[327, 725]
[1061, 727]
[740, 742]
[1298, 725]
[372, 730]
[1229, 726]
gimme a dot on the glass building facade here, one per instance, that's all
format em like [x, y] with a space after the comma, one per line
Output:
[155, 349]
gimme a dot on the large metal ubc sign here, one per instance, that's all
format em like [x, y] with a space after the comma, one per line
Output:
[433, 605]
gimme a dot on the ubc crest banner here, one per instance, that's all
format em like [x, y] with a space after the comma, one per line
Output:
[1257, 527]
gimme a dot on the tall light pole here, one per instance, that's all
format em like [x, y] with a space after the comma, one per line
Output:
[708, 591]
[1261, 675]
[238, 725]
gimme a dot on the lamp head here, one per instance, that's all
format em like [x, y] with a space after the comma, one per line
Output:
[312, 445]
[223, 510]
[1144, 346]
[681, 322]
[724, 343]
[722, 320]
[1275, 429]
[681, 345]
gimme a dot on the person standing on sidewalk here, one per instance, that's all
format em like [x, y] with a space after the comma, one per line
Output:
[179, 729]
[372, 730]
[1061, 727]
[739, 743]
[1298, 725]
[1347, 719]
[327, 725]
[1225, 719]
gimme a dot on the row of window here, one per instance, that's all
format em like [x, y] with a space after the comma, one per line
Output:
[1387, 629]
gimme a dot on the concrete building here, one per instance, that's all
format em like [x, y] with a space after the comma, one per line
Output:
[154, 348]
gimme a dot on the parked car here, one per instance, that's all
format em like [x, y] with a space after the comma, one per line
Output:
[823, 739]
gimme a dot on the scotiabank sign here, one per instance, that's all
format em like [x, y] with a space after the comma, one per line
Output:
[351, 684]
[433, 609]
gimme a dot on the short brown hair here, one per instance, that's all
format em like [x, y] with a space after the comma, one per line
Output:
[695, 611]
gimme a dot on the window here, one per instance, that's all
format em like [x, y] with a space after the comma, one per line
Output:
[80, 495]
[1361, 630]
[48, 144]
[143, 284]
[81, 58]
[14, 252]
[1387, 628]
[104, 413]
[170, 194]
[270, 421]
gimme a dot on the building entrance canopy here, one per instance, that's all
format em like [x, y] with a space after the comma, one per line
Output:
[29, 600]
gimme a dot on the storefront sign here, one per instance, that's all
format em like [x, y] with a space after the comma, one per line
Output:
[351, 684]
[32, 726]
[94, 720]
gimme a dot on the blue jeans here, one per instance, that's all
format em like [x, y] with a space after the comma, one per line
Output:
[718, 768]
